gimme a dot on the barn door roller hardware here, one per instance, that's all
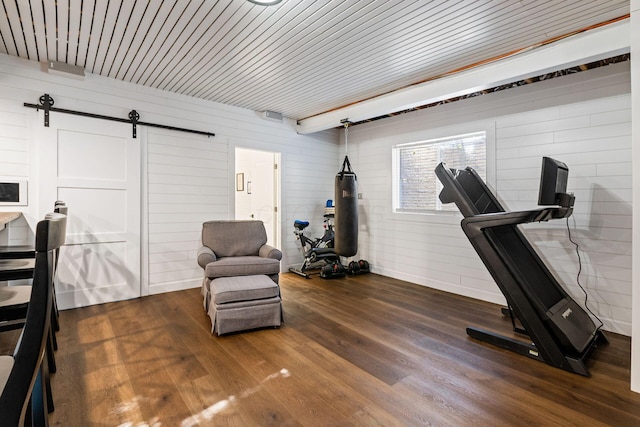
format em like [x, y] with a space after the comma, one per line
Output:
[46, 103]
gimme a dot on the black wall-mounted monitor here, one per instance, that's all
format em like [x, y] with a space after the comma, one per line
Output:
[9, 192]
[553, 184]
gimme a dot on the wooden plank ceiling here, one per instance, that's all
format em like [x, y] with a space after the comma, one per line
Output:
[300, 57]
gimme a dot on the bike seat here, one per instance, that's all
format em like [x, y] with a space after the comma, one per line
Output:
[300, 225]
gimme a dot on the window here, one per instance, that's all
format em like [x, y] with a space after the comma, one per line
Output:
[416, 187]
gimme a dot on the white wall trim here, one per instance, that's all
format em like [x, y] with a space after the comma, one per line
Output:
[458, 289]
[177, 285]
[144, 212]
[635, 144]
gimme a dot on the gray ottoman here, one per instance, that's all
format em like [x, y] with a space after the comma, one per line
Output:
[240, 303]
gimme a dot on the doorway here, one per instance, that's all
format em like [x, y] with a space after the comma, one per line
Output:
[258, 189]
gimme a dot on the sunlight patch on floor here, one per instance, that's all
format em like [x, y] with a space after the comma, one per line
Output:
[210, 413]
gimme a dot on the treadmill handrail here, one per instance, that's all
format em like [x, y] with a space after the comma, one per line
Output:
[475, 224]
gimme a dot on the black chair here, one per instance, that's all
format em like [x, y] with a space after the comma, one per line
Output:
[23, 400]
[15, 301]
[17, 262]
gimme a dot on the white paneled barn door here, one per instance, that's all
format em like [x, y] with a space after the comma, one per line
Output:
[94, 167]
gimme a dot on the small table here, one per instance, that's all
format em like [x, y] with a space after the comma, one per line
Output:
[7, 217]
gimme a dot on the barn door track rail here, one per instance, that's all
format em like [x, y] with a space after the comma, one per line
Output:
[46, 103]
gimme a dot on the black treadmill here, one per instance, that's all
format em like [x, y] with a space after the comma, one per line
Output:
[562, 333]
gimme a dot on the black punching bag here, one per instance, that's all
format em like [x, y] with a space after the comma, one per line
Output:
[346, 214]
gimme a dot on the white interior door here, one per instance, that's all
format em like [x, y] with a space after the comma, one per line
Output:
[94, 167]
[263, 206]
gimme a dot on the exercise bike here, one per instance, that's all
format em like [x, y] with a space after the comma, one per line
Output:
[318, 253]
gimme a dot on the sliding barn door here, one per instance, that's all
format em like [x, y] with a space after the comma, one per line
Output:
[94, 167]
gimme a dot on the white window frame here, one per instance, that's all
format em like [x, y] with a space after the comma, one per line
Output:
[442, 133]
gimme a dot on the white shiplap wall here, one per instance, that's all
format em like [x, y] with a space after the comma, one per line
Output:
[593, 138]
[188, 177]
[14, 142]
[14, 165]
[583, 120]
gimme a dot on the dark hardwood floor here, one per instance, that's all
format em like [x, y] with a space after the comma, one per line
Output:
[365, 350]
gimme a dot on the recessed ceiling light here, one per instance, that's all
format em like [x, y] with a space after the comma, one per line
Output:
[265, 2]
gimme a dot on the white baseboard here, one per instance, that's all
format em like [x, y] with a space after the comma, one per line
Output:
[177, 285]
[493, 297]
[86, 297]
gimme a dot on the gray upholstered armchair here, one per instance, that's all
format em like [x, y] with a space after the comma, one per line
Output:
[236, 248]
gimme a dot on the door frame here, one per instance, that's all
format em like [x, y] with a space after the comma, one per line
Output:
[277, 188]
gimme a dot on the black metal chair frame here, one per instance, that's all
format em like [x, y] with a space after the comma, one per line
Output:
[14, 316]
[24, 254]
[23, 400]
